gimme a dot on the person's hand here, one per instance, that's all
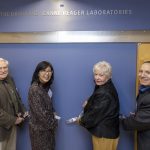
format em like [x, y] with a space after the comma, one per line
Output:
[122, 117]
[132, 113]
[84, 103]
[26, 114]
[19, 120]
[78, 120]
[55, 113]
[19, 114]
[72, 120]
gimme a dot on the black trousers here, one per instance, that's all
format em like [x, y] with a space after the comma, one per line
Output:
[143, 141]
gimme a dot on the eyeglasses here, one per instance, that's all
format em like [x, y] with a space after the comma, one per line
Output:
[46, 71]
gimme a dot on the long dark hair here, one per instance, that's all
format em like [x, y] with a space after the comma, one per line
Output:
[41, 66]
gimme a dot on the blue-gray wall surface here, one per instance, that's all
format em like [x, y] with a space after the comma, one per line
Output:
[73, 83]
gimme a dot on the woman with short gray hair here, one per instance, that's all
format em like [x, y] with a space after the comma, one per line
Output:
[101, 112]
[104, 68]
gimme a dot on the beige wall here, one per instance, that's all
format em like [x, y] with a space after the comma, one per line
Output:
[143, 54]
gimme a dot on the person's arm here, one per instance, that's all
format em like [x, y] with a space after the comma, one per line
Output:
[97, 111]
[130, 123]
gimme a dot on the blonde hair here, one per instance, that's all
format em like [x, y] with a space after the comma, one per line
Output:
[104, 68]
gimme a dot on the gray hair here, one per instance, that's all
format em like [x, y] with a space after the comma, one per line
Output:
[104, 68]
[4, 60]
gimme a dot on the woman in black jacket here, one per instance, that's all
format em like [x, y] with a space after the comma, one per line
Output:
[101, 112]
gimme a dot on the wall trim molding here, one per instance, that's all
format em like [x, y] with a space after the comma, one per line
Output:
[75, 36]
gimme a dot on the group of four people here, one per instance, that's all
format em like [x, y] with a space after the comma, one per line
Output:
[100, 111]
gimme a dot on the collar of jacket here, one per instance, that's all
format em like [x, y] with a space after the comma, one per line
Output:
[143, 88]
[107, 83]
[4, 81]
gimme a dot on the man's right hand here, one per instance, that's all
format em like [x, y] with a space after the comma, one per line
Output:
[19, 120]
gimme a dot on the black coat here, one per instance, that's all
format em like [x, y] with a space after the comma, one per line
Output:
[101, 114]
[140, 121]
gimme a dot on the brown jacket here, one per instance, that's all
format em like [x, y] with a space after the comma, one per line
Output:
[10, 105]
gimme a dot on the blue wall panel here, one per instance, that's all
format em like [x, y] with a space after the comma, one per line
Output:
[74, 83]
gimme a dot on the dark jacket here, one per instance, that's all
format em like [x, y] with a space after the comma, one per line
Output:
[101, 114]
[10, 105]
[141, 120]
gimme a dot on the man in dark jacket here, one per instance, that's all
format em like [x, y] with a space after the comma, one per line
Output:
[140, 120]
[11, 109]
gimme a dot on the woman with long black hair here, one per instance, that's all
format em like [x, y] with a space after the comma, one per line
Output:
[42, 123]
